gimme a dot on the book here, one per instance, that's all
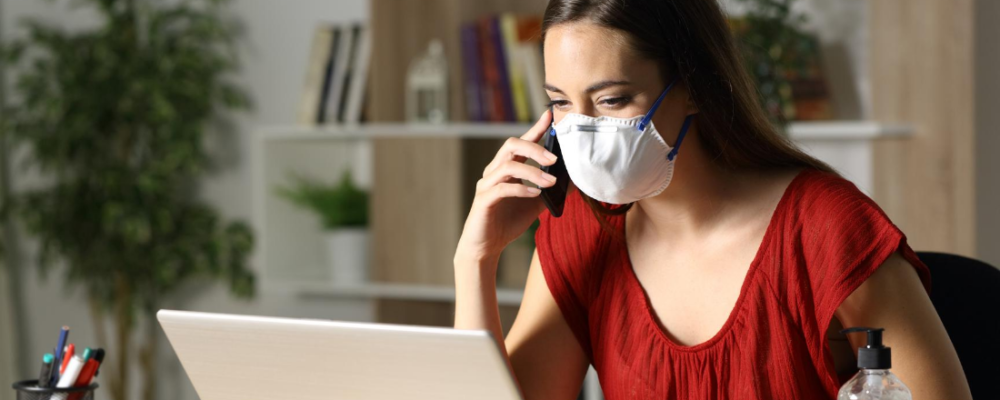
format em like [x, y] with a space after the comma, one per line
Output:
[534, 77]
[503, 73]
[472, 74]
[493, 98]
[321, 112]
[500, 58]
[341, 61]
[359, 77]
[529, 32]
[319, 58]
[508, 24]
[348, 75]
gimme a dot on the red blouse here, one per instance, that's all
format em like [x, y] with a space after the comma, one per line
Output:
[824, 239]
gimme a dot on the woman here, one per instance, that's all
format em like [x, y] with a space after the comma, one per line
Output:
[720, 269]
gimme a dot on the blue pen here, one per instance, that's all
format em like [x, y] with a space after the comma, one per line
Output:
[63, 335]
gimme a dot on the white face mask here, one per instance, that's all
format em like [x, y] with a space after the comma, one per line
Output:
[616, 160]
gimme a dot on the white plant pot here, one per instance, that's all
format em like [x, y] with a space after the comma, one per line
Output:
[347, 254]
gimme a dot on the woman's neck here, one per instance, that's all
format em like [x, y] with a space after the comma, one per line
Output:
[700, 197]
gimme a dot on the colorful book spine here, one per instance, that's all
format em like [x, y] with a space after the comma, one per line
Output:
[473, 73]
[515, 71]
[534, 77]
[496, 37]
[529, 36]
[491, 74]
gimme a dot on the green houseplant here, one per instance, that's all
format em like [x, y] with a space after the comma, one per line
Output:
[343, 211]
[774, 49]
[114, 118]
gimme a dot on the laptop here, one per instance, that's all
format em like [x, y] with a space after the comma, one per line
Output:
[236, 357]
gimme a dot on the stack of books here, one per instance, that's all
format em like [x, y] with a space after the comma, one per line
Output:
[502, 65]
[336, 75]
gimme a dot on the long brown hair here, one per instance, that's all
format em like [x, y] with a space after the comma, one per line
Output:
[691, 40]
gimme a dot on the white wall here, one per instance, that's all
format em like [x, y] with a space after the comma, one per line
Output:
[274, 57]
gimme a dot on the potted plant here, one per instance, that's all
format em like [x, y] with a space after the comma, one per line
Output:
[775, 49]
[343, 211]
[114, 119]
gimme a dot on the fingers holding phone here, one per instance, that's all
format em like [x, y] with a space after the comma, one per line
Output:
[504, 206]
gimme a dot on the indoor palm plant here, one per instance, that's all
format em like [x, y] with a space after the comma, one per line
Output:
[113, 118]
[343, 211]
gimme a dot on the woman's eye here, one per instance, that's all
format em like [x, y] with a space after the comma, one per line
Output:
[611, 102]
[557, 103]
[616, 101]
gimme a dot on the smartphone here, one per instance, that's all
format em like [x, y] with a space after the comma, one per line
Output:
[555, 196]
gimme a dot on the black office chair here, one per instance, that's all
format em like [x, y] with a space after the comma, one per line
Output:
[966, 294]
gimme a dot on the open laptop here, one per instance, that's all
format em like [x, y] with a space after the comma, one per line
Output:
[235, 357]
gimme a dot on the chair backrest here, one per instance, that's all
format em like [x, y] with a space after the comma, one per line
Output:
[966, 294]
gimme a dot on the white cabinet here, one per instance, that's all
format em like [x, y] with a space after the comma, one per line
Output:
[848, 147]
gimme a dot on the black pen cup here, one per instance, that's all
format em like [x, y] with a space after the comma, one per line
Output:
[29, 390]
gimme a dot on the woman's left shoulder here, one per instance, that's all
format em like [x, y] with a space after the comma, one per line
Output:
[839, 233]
[822, 199]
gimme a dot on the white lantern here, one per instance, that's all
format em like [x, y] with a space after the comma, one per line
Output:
[427, 86]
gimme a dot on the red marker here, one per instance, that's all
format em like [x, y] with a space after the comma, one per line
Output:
[68, 354]
[86, 376]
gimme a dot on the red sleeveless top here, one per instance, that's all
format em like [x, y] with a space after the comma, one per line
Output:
[824, 239]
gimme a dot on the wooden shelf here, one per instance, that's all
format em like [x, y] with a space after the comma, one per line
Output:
[398, 291]
[393, 130]
[819, 130]
[846, 130]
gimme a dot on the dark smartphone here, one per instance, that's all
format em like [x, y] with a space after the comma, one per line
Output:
[555, 196]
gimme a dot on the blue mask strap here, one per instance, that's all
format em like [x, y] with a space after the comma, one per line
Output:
[552, 122]
[656, 104]
[680, 137]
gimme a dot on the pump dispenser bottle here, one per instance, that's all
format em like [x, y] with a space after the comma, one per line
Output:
[874, 381]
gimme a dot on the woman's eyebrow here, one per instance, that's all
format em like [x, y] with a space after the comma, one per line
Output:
[593, 88]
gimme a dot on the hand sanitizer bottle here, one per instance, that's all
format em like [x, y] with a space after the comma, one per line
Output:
[874, 381]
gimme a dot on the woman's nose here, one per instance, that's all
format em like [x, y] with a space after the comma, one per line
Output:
[583, 109]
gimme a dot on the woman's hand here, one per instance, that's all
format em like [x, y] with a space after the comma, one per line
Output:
[504, 207]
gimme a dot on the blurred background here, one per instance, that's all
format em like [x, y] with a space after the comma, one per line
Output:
[315, 158]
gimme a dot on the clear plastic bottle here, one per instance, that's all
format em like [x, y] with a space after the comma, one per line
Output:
[874, 381]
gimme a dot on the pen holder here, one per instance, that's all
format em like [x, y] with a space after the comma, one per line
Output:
[29, 390]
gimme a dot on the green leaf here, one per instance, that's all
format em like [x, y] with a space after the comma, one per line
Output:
[341, 205]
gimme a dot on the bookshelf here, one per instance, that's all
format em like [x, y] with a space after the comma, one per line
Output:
[423, 187]
[458, 130]
[290, 238]
[422, 177]
[800, 131]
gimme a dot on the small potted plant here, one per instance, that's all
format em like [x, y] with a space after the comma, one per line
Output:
[343, 209]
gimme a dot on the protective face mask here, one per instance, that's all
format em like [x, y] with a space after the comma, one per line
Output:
[616, 160]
